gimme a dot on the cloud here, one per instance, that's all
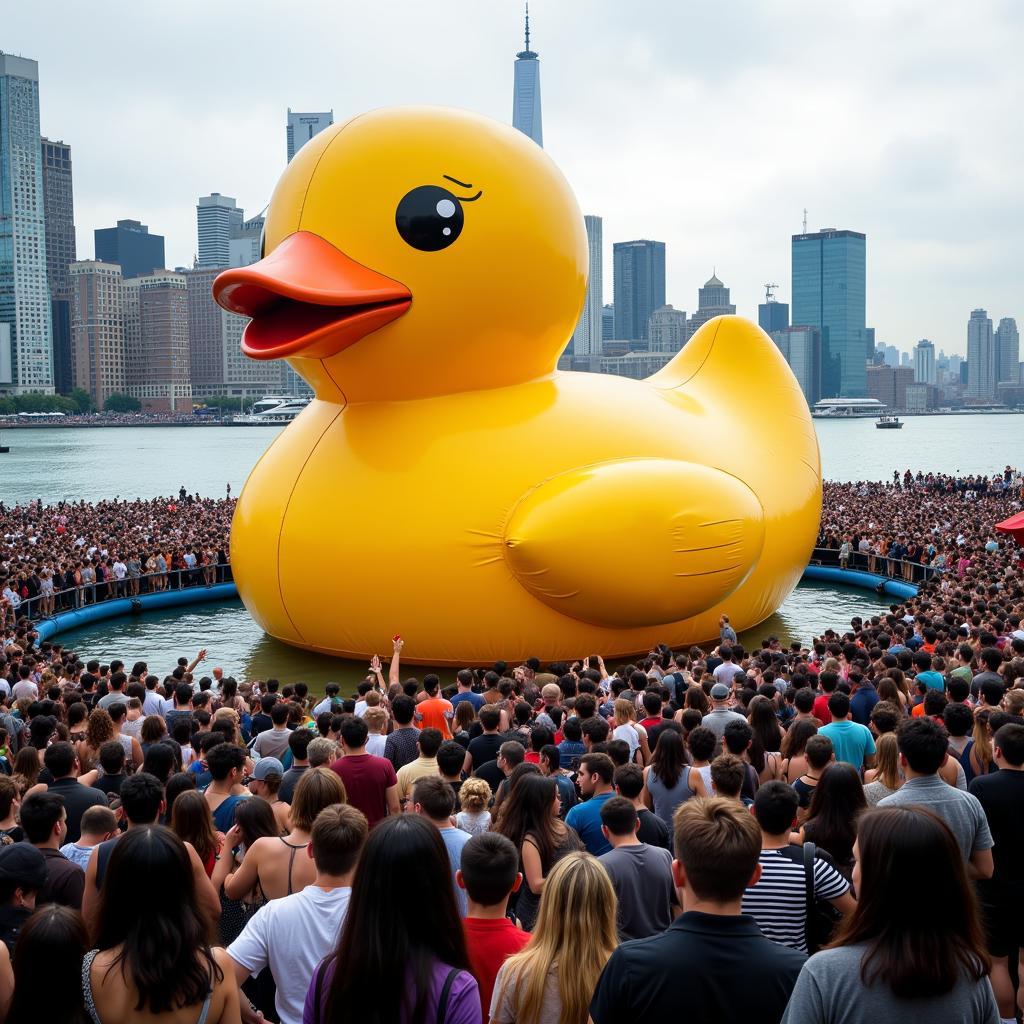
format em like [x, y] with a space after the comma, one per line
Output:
[710, 127]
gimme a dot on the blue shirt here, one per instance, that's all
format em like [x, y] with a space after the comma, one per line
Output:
[569, 751]
[852, 742]
[586, 819]
[454, 840]
[862, 703]
[476, 699]
[933, 680]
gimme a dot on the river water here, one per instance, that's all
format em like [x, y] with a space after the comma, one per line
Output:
[142, 462]
[71, 463]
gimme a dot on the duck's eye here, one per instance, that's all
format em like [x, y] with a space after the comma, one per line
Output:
[429, 218]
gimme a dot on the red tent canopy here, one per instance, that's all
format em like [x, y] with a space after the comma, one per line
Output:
[1014, 526]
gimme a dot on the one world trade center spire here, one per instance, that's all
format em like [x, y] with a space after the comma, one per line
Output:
[526, 91]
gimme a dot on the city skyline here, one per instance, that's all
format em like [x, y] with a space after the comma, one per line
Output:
[940, 243]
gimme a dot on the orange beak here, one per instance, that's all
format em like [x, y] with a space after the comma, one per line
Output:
[308, 298]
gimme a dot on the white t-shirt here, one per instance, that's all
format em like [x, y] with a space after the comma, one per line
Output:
[292, 934]
[375, 744]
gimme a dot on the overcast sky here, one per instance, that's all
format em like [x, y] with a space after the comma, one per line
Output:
[708, 126]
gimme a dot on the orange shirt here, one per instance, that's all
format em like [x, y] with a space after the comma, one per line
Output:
[435, 713]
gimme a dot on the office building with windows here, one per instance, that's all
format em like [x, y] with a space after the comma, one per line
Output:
[981, 357]
[924, 362]
[773, 316]
[131, 246]
[27, 364]
[801, 348]
[59, 216]
[97, 329]
[712, 301]
[639, 286]
[586, 339]
[667, 330]
[828, 292]
[218, 218]
[526, 91]
[302, 127]
[1007, 351]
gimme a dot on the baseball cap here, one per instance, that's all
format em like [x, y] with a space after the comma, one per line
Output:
[267, 766]
[719, 691]
[22, 865]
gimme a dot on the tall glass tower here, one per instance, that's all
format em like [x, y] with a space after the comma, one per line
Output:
[526, 91]
[639, 284]
[828, 293]
[26, 365]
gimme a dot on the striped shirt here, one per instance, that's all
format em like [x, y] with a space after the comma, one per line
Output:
[778, 903]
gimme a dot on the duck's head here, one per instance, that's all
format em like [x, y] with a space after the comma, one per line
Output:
[411, 252]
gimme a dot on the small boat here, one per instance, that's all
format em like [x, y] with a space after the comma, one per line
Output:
[4, 449]
[889, 423]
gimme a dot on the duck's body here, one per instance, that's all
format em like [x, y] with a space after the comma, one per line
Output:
[557, 515]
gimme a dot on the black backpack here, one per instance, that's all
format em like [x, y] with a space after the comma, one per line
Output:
[821, 917]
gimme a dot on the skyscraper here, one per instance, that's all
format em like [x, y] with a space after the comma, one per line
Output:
[801, 347]
[639, 284]
[981, 356]
[667, 331]
[59, 210]
[245, 242]
[828, 293]
[712, 301]
[771, 314]
[526, 91]
[97, 329]
[158, 369]
[218, 217]
[586, 339]
[1007, 354]
[24, 291]
[303, 126]
[131, 247]
[607, 322]
[924, 362]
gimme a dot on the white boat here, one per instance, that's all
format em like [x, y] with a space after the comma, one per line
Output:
[274, 410]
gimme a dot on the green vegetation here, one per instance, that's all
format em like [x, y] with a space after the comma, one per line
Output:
[121, 403]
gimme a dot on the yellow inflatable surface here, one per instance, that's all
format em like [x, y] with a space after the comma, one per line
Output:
[424, 268]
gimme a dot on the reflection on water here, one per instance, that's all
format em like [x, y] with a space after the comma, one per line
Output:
[234, 641]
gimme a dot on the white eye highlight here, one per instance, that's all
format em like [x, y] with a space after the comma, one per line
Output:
[445, 208]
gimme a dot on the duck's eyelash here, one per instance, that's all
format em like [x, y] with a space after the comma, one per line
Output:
[471, 199]
[463, 184]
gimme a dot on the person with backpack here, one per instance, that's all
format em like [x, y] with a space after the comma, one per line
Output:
[793, 878]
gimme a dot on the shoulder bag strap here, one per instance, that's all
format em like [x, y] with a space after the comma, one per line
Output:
[810, 852]
[442, 1002]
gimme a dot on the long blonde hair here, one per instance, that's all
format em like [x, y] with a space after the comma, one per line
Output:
[575, 928]
[888, 753]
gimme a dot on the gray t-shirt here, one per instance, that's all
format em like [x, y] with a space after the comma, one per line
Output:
[961, 811]
[718, 719]
[272, 743]
[642, 878]
[829, 988]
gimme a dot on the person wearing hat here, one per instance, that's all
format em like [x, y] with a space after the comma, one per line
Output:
[720, 716]
[265, 783]
[22, 874]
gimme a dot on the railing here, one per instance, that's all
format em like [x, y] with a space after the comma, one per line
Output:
[70, 598]
[878, 565]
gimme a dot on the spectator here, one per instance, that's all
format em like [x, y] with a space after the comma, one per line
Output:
[433, 798]
[23, 875]
[395, 956]
[45, 823]
[370, 782]
[899, 957]
[713, 953]
[293, 934]
[489, 874]
[641, 874]
[62, 764]
[553, 977]
[597, 772]
[425, 764]
[923, 749]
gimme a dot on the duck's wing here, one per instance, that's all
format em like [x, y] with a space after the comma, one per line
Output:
[636, 542]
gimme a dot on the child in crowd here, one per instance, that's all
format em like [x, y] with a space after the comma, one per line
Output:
[474, 795]
[490, 874]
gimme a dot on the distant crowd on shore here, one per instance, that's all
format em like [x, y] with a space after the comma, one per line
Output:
[69, 554]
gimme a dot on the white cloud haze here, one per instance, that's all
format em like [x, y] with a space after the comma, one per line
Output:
[708, 126]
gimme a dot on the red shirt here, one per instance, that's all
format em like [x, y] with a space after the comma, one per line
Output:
[367, 779]
[820, 709]
[490, 943]
[532, 757]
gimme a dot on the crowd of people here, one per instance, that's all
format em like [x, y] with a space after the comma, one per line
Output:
[828, 831]
[69, 554]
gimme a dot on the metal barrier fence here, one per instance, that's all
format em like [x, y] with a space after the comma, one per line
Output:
[67, 599]
[879, 565]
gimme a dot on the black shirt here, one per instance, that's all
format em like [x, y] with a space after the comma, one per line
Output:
[484, 748]
[260, 723]
[76, 799]
[491, 774]
[704, 970]
[1002, 797]
[653, 830]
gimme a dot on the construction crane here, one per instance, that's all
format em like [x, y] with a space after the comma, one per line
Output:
[769, 292]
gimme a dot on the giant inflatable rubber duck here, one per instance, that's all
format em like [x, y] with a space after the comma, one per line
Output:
[423, 269]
